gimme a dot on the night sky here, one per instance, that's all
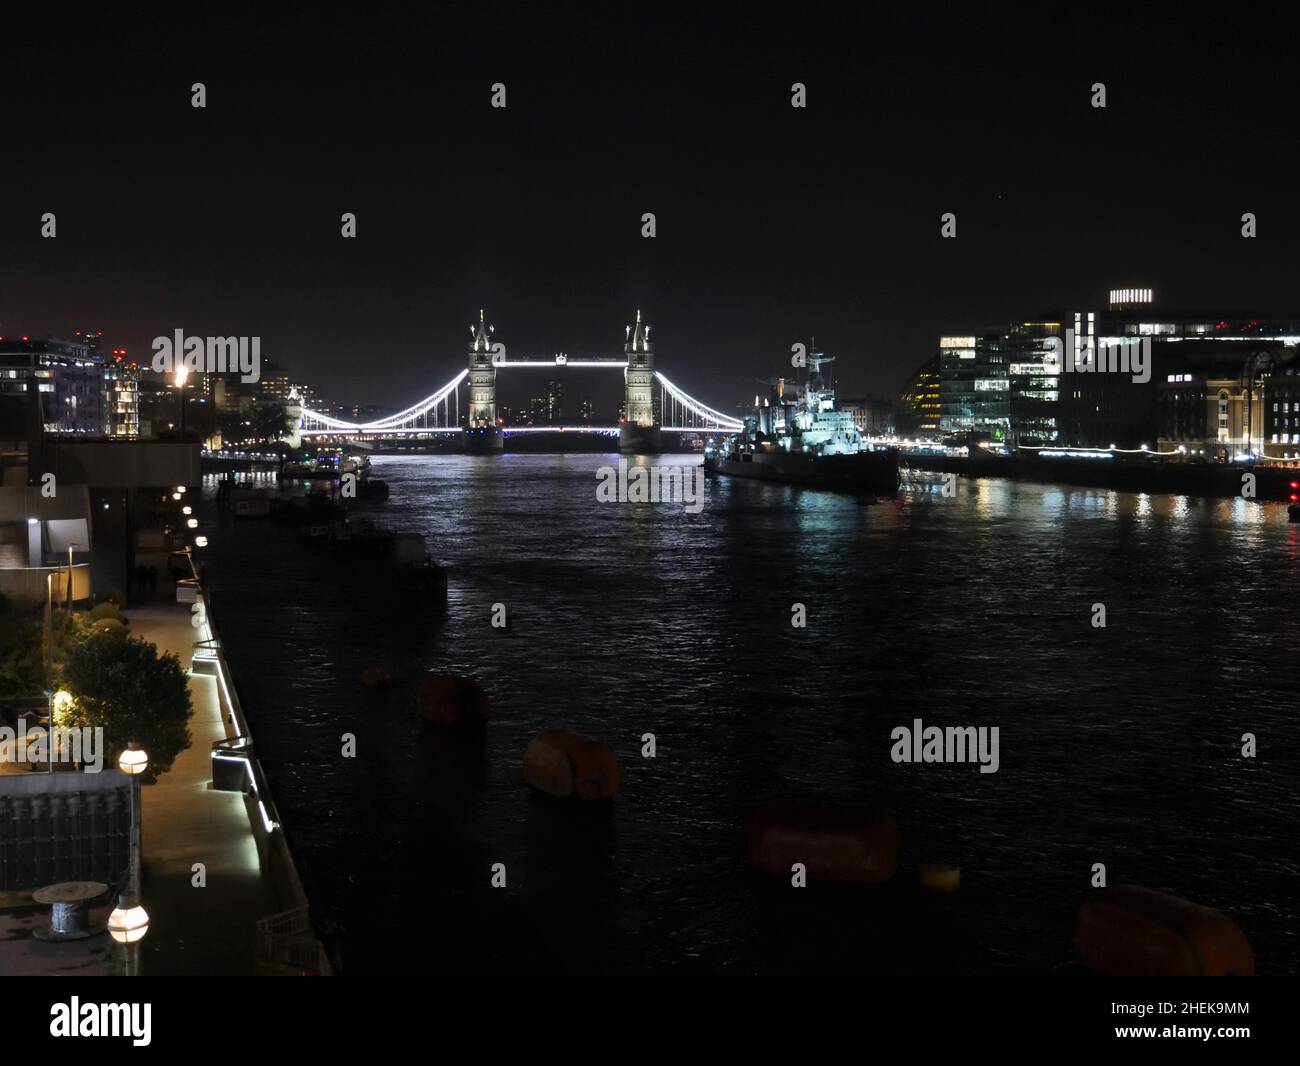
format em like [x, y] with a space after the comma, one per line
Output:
[773, 223]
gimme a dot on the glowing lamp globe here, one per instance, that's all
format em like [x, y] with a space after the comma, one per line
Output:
[129, 922]
[133, 761]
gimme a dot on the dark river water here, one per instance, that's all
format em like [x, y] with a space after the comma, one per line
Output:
[1118, 745]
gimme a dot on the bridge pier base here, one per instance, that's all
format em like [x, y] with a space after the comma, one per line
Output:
[639, 440]
[482, 440]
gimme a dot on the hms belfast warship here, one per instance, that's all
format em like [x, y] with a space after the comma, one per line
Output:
[805, 440]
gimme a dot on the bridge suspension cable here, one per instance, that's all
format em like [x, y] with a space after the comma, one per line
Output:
[677, 410]
[423, 415]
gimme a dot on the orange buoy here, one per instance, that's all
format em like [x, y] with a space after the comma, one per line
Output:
[595, 770]
[546, 762]
[444, 699]
[561, 763]
[1127, 931]
[839, 845]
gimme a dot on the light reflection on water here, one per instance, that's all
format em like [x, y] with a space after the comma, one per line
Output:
[1118, 745]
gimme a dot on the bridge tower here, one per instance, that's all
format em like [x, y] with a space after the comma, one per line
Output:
[638, 432]
[482, 434]
[293, 416]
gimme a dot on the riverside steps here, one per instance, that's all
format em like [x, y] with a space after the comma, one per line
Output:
[242, 911]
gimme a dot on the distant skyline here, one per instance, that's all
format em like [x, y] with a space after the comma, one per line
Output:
[774, 224]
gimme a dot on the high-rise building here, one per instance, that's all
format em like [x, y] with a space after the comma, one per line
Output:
[919, 403]
[66, 376]
[1033, 375]
[274, 383]
[122, 397]
[554, 403]
[974, 388]
[548, 408]
[1129, 376]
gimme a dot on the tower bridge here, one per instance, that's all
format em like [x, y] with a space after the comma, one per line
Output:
[439, 415]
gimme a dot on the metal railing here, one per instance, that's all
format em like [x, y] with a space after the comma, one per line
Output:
[285, 939]
[288, 940]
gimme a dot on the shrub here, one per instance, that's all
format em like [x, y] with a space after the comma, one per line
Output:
[107, 609]
[134, 694]
[108, 627]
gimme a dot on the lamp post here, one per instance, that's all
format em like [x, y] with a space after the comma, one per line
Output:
[70, 547]
[49, 613]
[130, 921]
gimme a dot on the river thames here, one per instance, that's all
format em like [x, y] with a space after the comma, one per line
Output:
[1118, 745]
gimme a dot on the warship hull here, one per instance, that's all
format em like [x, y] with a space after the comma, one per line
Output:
[866, 473]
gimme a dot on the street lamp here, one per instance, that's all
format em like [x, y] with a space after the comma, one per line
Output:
[127, 925]
[70, 547]
[130, 921]
[49, 614]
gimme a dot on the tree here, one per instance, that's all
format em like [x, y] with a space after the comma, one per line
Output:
[22, 665]
[122, 685]
[271, 421]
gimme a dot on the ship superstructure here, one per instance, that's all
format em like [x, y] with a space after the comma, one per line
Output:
[800, 436]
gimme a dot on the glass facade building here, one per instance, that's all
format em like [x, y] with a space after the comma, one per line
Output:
[974, 387]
